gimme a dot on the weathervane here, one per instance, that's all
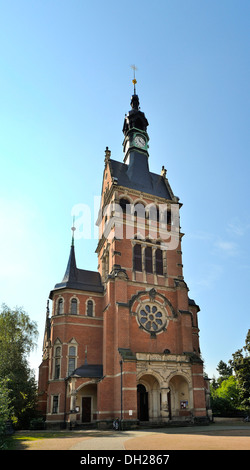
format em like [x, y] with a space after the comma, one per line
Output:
[134, 81]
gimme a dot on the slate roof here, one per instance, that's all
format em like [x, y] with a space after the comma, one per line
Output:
[79, 279]
[137, 176]
[88, 370]
[85, 280]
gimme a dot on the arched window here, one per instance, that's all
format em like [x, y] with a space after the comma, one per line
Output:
[123, 203]
[105, 263]
[72, 360]
[148, 259]
[90, 308]
[152, 213]
[169, 217]
[57, 362]
[166, 216]
[73, 307]
[55, 404]
[139, 210]
[60, 307]
[137, 260]
[159, 261]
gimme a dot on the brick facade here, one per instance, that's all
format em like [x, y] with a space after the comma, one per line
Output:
[125, 342]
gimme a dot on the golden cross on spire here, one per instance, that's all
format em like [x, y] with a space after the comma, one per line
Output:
[134, 81]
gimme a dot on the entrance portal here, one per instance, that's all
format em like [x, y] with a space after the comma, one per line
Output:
[148, 398]
[180, 397]
[86, 399]
[142, 403]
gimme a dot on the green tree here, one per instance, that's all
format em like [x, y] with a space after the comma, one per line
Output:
[224, 370]
[229, 390]
[225, 397]
[18, 335]
[5, 410]
[241, 367]
[5, 401]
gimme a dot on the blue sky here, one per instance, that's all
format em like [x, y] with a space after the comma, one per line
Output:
[65, 82]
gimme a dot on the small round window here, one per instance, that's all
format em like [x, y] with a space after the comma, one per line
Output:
[151, 317]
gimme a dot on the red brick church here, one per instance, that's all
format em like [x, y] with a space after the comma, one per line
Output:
[123, 342]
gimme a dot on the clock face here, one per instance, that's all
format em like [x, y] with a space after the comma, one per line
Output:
[139, 141]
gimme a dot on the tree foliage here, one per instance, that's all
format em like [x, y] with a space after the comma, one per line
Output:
[241, 366]
[5, 400]
[18, 335]
[231, 391]
[5, 410]
[224, 370]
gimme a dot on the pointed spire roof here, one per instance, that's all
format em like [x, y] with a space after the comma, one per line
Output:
[71, 270]
[78, 279]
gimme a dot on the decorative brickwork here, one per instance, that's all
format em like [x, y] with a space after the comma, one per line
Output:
[124, 342]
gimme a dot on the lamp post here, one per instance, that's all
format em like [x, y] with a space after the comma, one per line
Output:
[121, 393]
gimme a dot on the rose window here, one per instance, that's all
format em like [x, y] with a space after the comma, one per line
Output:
[151, 318]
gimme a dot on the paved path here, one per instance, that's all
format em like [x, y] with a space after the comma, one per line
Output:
[113, 441]
[196, 438]
[212, 437]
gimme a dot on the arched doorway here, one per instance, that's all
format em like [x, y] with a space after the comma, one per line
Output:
[142, 403]
[87, 401]
[148, 398]
[180, 400]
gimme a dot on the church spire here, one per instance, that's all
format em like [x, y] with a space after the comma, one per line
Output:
[135, 125]
[71, 270]
[135, 99]
[73, 232]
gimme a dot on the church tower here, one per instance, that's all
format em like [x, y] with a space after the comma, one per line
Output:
[124, 341]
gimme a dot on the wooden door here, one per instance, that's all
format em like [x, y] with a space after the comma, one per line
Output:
[86, 409]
